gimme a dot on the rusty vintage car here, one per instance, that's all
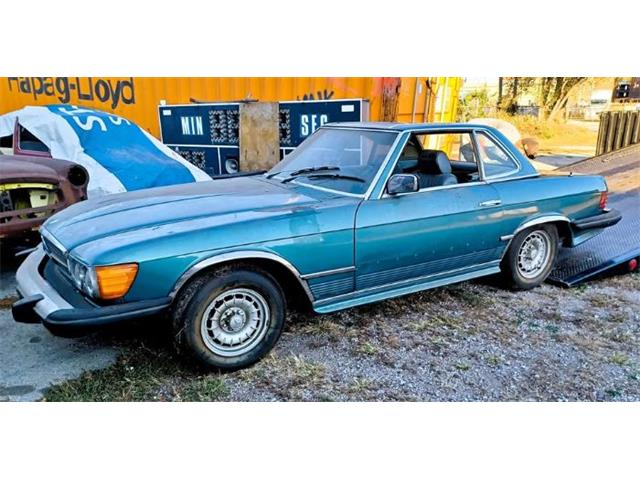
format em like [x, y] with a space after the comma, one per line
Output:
[32, 188]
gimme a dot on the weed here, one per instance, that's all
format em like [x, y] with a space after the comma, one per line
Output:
[619, 358]
[368, 348]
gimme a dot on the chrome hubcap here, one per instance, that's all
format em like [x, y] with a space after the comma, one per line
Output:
[235, 322]
[533, 256]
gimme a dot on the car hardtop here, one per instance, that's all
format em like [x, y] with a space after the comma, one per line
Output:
[525, 168]
[410, 127]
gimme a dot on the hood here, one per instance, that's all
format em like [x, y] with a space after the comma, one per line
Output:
[175, 209]
[14, 169]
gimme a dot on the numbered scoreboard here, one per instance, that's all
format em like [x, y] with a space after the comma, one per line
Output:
[207, 134]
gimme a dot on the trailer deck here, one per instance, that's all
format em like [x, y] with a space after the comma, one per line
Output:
[617, 245]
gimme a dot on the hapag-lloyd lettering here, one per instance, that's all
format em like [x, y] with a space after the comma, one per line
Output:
[111, 92]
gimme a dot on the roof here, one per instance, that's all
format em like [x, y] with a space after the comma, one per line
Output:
[403, 127]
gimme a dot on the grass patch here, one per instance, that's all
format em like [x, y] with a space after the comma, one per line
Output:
[292, 370]
[600, 300]
[141, 375]
[470, 296]
[361, 385]
[205, 389]
[462, 366]
[494, 360]
[619, 358]
[332, 330]
[368, 348]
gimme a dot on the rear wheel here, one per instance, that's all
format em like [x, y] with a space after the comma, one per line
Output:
[231, 318]
[531, 257]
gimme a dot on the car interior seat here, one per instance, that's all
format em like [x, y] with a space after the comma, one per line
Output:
[434, 169]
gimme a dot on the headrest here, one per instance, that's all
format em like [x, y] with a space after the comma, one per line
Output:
[434, 162]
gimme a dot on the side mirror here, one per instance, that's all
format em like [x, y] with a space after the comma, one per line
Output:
[402, 183]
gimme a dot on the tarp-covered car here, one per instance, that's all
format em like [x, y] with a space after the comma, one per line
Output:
[118, 154]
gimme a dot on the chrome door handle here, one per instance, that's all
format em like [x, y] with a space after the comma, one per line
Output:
[491, 203]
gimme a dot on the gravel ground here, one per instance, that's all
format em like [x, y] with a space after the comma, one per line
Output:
[471, 341]
[468, 342]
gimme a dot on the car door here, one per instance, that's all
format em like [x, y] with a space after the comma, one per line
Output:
[436, 230]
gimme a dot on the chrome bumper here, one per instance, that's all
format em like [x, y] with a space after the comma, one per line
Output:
[31, 283]
[40, 302]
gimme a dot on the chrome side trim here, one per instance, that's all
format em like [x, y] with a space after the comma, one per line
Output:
[531, 223]
[239, 255]
[29, 282]
[539, 220]
[509, 179]
[433, 189]
[325, 273]
[401, 283]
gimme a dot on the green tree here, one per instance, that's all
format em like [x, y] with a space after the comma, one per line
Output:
[552, 92]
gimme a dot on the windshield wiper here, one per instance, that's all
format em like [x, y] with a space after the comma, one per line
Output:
[336, 175]
[305, 171]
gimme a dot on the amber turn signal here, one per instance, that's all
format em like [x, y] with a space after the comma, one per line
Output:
[114, 281]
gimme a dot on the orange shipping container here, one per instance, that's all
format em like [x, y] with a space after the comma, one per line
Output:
[402, 99]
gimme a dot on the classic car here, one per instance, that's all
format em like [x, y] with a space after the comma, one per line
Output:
[360, 212]
[34, 188]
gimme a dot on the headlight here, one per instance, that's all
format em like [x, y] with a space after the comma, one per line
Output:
[83, 277]
[106, 282]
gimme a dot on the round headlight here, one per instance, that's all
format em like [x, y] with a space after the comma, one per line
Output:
[90, 284]
[78, 272]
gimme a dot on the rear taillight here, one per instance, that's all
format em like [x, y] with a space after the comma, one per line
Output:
[603, 201]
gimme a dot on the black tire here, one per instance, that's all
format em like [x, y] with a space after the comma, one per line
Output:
[196, 298]
[514, 274]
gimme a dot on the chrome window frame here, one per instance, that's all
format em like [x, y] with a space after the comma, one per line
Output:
[503, 148]
[374, 180]
[439, 131]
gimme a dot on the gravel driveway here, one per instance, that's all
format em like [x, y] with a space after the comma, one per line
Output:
[466, 342]
[472, 341]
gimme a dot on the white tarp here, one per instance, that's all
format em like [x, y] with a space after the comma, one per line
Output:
[119, 155]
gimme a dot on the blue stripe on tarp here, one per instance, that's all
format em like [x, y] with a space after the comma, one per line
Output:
[122, 148]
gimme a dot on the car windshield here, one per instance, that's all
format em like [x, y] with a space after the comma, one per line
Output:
[340, 159]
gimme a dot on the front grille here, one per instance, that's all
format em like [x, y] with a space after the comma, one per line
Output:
[53, 250]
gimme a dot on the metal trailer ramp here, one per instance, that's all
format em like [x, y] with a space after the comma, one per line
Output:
[617, 245]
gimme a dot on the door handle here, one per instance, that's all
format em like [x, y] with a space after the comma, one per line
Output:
[491, 203]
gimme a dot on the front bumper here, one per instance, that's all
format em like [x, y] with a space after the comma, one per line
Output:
[41, 302]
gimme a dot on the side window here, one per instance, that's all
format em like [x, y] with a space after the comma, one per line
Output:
[30, 143]
[457, 146]
[496, 162]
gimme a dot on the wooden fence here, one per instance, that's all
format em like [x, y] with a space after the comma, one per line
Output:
[617, 130]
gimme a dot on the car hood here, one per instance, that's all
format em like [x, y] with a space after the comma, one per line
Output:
[175, 208]
[14, 169]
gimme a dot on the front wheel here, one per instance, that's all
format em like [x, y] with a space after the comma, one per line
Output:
[531, 257]
[231, 318]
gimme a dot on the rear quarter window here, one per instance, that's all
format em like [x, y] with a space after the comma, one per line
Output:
[497, 163]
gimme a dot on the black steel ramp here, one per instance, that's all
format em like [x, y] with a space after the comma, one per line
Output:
[619, 244]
